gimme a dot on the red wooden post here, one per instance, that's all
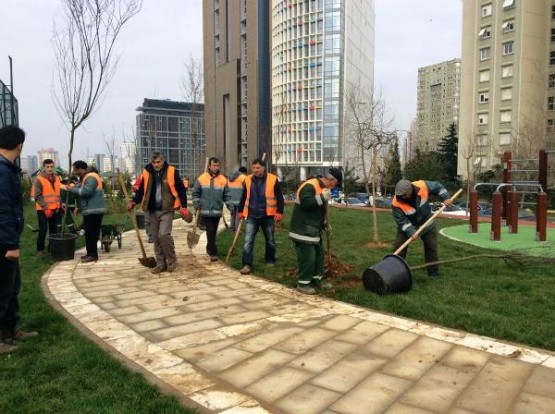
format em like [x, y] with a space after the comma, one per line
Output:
[542, 178]
[473, 205]
[541, 217]
[496, 216]
[512, 216]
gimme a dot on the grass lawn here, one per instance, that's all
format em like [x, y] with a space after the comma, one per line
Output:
[483, 296]
[61, 371]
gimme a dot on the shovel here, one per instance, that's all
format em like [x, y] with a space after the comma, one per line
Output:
[193, 237]
[145, 261]
[237, 233]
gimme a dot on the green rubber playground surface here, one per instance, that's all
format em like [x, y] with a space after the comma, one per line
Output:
[523, 242]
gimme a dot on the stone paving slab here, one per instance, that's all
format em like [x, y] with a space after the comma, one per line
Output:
[227, 343]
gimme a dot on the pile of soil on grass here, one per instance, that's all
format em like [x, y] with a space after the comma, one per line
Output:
[332, 268]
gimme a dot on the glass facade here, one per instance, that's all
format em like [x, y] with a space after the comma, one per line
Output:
[177, 130]
[311, 66]
[8, 106]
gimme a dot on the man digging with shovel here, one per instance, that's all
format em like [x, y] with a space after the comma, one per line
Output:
[160, 193]
[411, 209]
[307, 224]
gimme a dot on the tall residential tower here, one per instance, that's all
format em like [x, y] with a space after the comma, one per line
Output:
[507, 80]
[437, 103]
[322, 53]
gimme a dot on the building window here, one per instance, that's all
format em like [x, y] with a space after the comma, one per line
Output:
[550, 123]
[551, 103]
[508, 3]
[552, 57]
[484, 53]
[552, 12]
[551, 82]
[484, 75]
[506, 94]
[506, 116]
[505, 138]
[483, 97]
[482, 119]
[553, 35]
[485, 32]
[507, 71]
[508, 48]
[508, 26]
[481, 140]
[486, 10]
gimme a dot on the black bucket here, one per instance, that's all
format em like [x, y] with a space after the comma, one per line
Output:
[62, 247]
[391, 275]
[140, 220]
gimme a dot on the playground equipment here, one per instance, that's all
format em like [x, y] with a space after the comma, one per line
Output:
[505, 197]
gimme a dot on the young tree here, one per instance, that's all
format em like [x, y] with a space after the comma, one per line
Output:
[86, 59]
[369, 123]
[392, 168]
[192, 87]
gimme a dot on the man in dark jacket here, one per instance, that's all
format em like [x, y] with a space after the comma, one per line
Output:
[411, 208]
[11, 227]
[262, 206]
[160, 193]
[307, 224]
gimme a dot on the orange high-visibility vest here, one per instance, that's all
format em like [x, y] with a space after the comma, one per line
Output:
[238, 182]
[50, 192]
[407, 208]
[315, 183]
[170, 177]
[271, 200]
[96, 177]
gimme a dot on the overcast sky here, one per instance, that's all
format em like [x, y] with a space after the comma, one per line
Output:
[158, 41]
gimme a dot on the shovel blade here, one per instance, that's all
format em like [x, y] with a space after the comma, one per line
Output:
[192, 239]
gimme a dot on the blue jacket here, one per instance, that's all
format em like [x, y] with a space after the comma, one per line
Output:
[90, 197]
[11, 205]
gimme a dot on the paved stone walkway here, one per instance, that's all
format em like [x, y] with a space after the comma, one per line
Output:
[227, 343]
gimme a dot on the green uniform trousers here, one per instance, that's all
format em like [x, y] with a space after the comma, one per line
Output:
[310, 262]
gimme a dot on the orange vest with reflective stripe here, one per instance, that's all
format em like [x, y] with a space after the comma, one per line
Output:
[50, 192]
[315, 183]
[271, 200]
[170, 177]
[238, 182]
[96, 177]
[407, 208]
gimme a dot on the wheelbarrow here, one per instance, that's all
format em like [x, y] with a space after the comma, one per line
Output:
[111, 232]
[393, 274]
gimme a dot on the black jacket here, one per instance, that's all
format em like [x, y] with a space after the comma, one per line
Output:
[11, 205]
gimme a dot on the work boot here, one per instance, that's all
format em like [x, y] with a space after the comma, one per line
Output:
[307, 290]
[6, 348]
[158, 269]
[246, 270]
[213, 258]
[89, 259]
[171, 267]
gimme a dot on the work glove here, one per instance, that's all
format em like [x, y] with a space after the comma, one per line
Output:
[448, 202]
[48, 213]
[240, 216]
[278, 217]
[131, 205]
[326, 193]
[183, 211]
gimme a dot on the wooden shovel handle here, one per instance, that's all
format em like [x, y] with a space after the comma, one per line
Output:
[426, 224]
[237, 233]
[131, 213]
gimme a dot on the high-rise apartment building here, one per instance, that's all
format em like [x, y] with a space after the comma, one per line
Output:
[174, 128]
[237, 80]
[437, 104]
[507, 80]
[29, 164]
[48, 153]
[322, 53]
[128, 159]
